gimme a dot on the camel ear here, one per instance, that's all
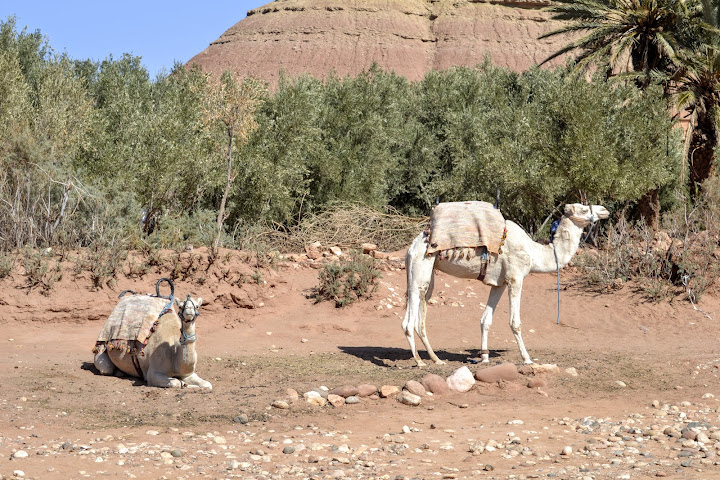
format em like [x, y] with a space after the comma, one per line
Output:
[178, 303]
[199, 301]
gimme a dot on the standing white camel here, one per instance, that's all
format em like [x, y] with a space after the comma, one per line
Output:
[518, 257]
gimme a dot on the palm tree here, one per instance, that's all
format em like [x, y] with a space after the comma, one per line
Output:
[622, 36]
[695, 87]
[661, 41]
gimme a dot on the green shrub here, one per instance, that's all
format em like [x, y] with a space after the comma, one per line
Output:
[7, 263]
[348, 280]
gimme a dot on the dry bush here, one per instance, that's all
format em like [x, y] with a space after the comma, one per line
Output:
[682, 259]
[347, 280]
[346, 225]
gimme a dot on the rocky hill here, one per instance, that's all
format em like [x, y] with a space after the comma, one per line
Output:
[410, 37]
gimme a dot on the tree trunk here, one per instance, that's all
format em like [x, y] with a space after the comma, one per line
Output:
[221, 211]
[649, 207]
[701, 154]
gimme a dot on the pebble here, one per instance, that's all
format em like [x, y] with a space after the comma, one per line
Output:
[408, 398]
[280, 404]
[635, 445]
[415, 388]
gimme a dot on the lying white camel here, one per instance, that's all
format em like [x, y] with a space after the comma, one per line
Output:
[169, 358]
[519, 256]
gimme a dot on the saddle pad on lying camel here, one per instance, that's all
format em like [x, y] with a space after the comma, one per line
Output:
[466, 225]
[133, 320]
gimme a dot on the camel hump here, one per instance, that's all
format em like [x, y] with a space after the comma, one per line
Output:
[132, 320]
[469, 224]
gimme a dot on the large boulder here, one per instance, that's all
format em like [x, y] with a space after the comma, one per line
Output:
[507, 372]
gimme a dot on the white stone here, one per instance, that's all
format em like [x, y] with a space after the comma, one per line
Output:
[20, 454]
[461, 379]
[408, 398]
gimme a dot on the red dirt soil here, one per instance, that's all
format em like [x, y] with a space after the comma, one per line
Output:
[260, 338]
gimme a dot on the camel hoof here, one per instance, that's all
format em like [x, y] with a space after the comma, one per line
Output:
[439, 362]
[420, 363]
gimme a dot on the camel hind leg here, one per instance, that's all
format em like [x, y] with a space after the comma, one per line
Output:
[419, 268]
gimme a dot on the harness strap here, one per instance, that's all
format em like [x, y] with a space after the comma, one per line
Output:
[557, 267]
[136, 364]
[483, 270]
[483, 267]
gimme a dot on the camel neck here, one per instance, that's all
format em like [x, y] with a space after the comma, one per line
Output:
[187, 340]
[565, 243]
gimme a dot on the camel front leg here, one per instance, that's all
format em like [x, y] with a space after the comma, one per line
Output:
[411, 314]
[159, 379]
[194, 381]
[515, 292]
[103, 363]
[486, 320]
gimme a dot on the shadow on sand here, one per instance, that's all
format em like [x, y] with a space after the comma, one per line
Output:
[388, 357]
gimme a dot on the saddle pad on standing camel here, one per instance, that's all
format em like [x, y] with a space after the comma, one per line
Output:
[466, 225]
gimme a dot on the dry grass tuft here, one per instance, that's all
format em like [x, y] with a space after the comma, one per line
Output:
[346, 225]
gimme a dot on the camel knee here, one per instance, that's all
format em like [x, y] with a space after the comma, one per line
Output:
[104, 364]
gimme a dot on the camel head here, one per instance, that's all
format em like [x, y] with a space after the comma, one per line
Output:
[189, 309]
[583, 215]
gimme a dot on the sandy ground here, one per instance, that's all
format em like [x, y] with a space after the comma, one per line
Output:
[60, 419]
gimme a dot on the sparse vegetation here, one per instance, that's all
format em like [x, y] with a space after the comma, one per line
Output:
[123, 163]
[347, 280]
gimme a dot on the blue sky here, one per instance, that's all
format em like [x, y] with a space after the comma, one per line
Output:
[159, 31]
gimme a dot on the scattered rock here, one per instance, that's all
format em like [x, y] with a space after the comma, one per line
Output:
[19, 454]
[461, 379]
[536, 383]
[313, 251]
[389, 390]
[415, 388]
[368, 248]
[352, 400]
[366, 390]
[408, 398]
[346, 391]
[506, 371]
[241, 419]
[545, 369]
[571, 371]
[280, 404]
[336, 400]
[314, 398]
[435, 384]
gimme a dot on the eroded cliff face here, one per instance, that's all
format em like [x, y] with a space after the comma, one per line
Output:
[410, 37]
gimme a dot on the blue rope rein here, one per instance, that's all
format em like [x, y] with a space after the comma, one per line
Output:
[553, 229]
